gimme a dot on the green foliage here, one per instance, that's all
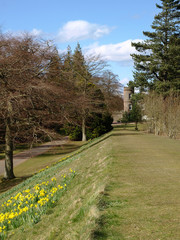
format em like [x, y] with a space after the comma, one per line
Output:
[67, 66]
[73, 131]
[157, 64]
[131, 85]
[126, 117]
[97, 125]
[54, 69]
[135, 115]
[80, 71]
[76, 134]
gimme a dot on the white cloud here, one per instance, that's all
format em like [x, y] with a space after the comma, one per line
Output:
[36, 32]
[124, 81]
[119, 52]
[81, 30]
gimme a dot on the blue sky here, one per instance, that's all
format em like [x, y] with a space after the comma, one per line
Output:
[104, 27]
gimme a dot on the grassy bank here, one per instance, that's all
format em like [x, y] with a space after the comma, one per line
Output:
[35, 164]
[126, 187]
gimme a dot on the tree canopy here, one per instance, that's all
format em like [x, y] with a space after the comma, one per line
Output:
[40, 88]
[157, 64]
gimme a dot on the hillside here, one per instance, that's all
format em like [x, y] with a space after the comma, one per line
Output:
[126, 186]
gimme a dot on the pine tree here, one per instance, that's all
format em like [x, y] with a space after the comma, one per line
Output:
[80, 70]
[81, 78]
[67, 66]
[54, 71]
[89, 98]
[157, 64]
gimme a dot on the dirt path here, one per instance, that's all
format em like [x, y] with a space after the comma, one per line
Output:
[25, 155]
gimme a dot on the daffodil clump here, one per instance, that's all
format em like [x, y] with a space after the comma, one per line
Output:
[28, 205]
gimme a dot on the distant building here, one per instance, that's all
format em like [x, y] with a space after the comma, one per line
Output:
[117, 116]
[127, 99]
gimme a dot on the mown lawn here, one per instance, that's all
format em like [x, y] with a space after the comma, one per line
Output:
[142, 198]
[127, 186]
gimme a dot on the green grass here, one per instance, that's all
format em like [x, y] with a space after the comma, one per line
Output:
[35, 164]
[127, 187]
[141, 199]
[46, 159]
[17, 148]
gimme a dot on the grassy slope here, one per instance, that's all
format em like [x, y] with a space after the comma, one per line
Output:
[127, 187]
[35, 164]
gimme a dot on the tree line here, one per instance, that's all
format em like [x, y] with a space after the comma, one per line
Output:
[41, 90]
[157, 71]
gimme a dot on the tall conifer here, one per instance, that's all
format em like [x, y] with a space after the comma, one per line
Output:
[157, 64]
[81, 78]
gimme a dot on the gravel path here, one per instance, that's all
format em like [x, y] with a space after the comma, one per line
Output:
[23, 156]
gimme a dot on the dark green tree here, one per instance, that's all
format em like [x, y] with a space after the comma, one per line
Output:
[67, 70]
[157, 64]
[81, 78]
[89, 97]
[87, 104]
[54, 70]
[136, 113]
[68, 60]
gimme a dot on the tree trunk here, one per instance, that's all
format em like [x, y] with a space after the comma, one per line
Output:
[157, 130]
[83, 129]
[136, 126]
[9, 174]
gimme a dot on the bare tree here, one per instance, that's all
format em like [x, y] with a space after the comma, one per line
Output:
[163, 114]
[111, 87]
[24, 91]
[153, 109]
[171, 115]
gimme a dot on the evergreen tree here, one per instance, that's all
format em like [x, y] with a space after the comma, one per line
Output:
[67, 71]
[80, 70]
[157, 64]
[136, 113]
[54, 72]
[68, 60]
[81, 78]
[87, 103]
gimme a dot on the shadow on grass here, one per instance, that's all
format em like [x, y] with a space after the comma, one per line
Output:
[104, 222]
[60, 150]
[99, 232]
[127, 134]
[18, 148]
[113, 134]
[8, 184]
[124, 126]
